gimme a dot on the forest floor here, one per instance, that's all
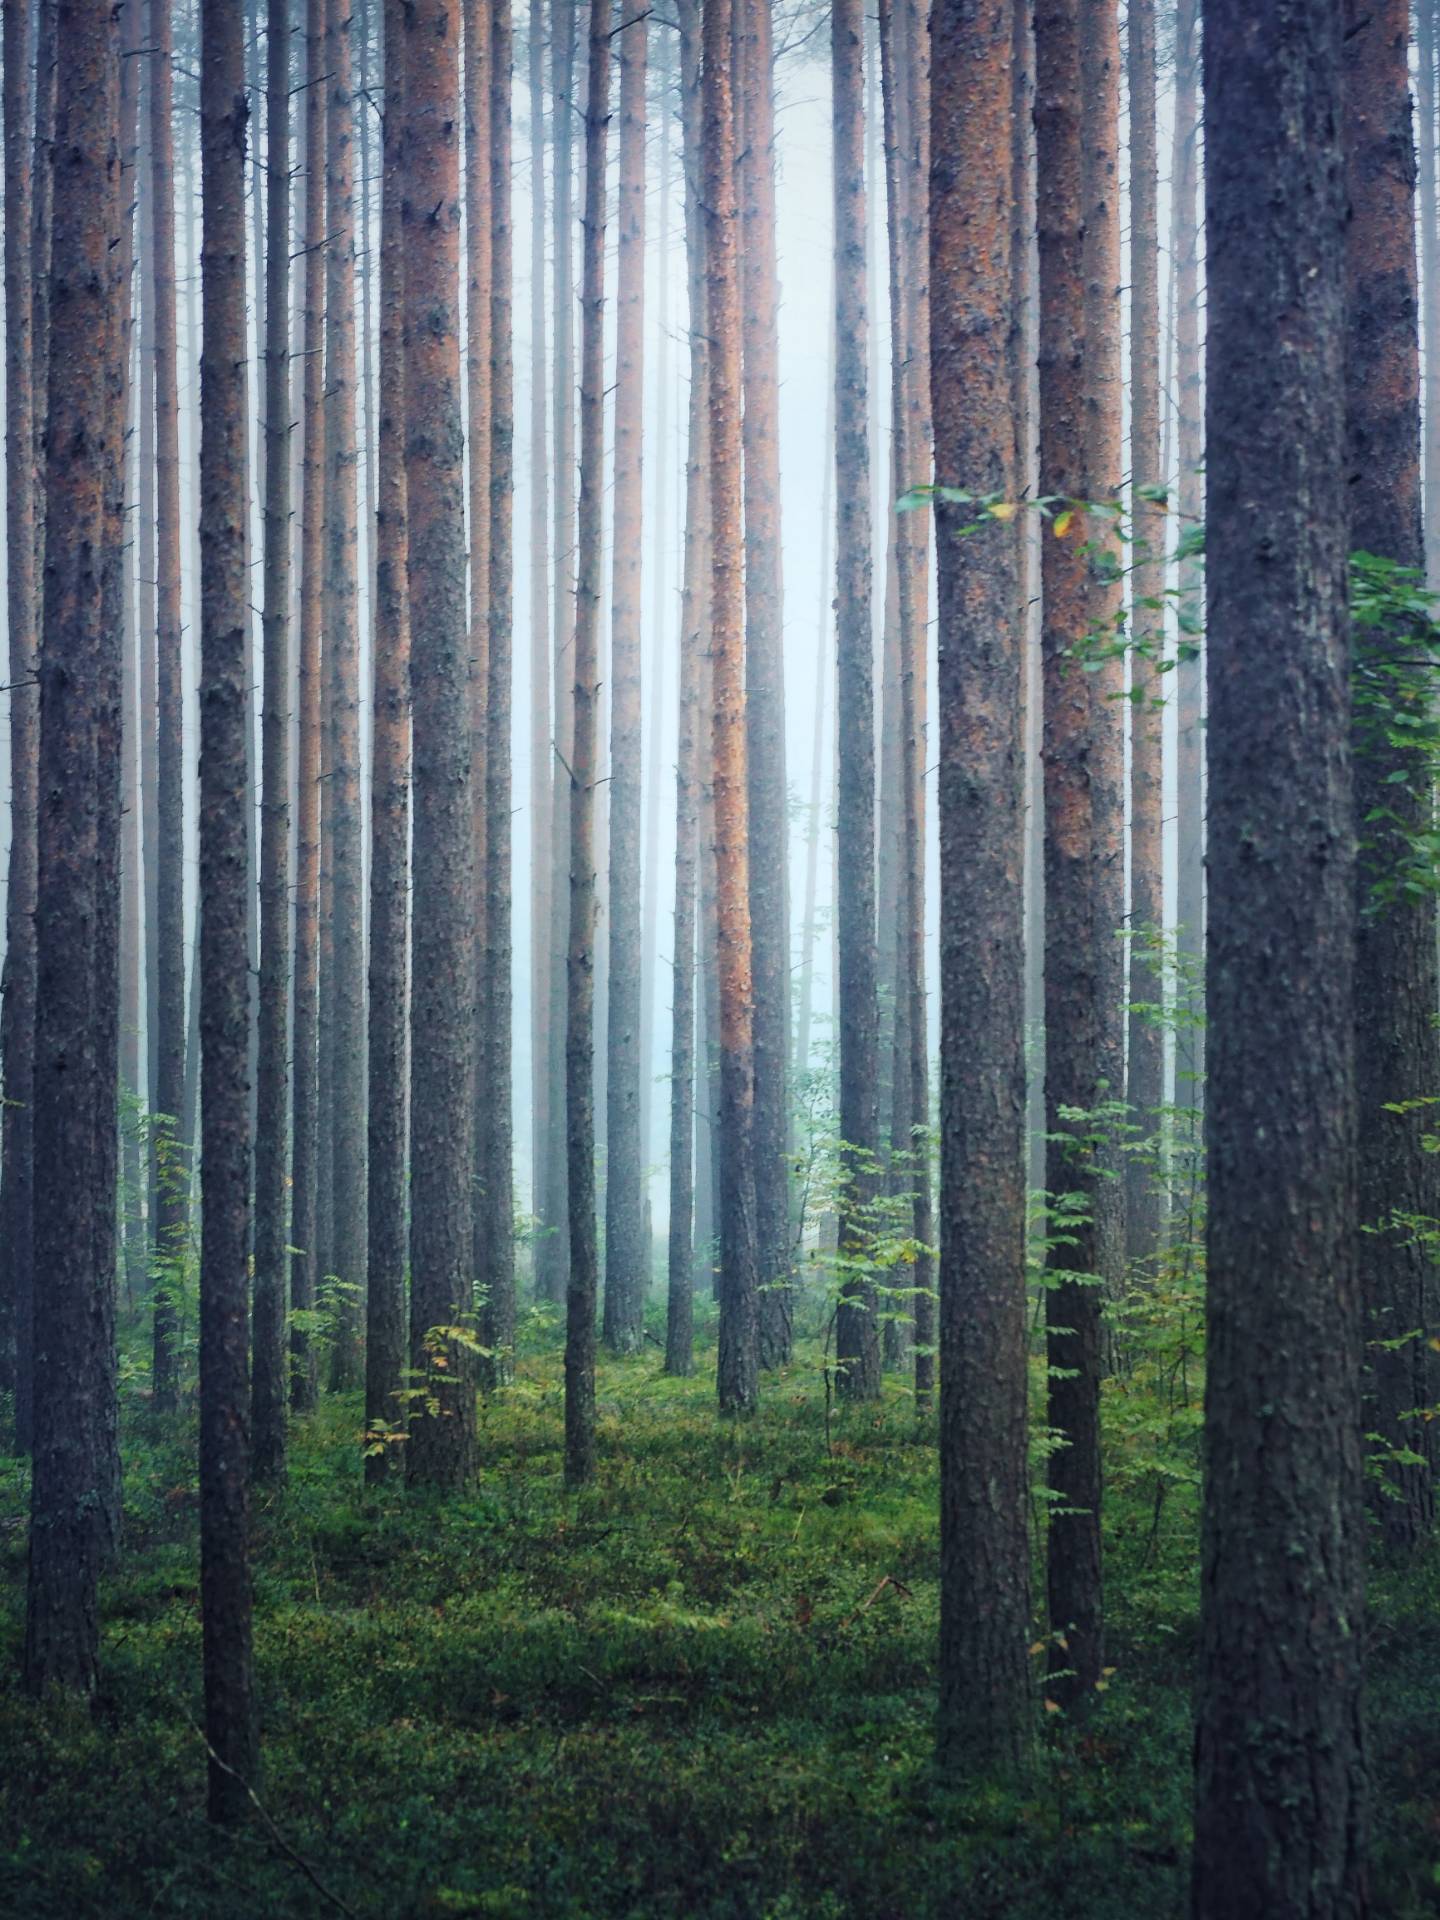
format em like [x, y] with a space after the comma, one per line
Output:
[702, 1689]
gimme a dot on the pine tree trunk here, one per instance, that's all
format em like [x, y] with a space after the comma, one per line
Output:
[626, 1250]
[497, 1321]
[17, 1007]
[824, 654]
[542, 841]
[73, 1381]
[1190, 666]
[1280, 1776]
[1397, 1049]
[857, 1331]
[342, 643]
[224, 985]
[985, 1723]
[1425, 17]
[442, 1445]
[168, 1186]
[305, 1271]
[1075, 115]
[271, 1235]
[554, 1250]
[1145, 1072]
[580, 966]
[389, 809]
[476, 20]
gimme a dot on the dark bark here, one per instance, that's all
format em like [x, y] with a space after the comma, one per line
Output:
[1280, 1776]
[341, 801]
[442, 1444]
[1425, 90]
[627, 1251]
[305, 1172]
[1077, 92]
[1145, 1053]
[857, 1331]
[497, 1320]
[765, 680]
[985, 1565]
[271, 1223]
[168, 1194]
[389, 809]
[17, 1007]
[224, 984]
[1397, 1048]
[580, 964]
[73, 1381]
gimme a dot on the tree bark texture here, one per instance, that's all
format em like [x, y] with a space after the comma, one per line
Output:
[1280, 1775]
[542, 843]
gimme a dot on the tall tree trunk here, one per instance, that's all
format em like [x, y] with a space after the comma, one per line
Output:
[442, 1444]
[739, 1355]
[1190, 506]
[580, 965]
[476, 19]
[389, 808]
[1397, 1048]
[857, 1332]
[554, 1251]
[1425, 19]
[627, 1252]
[497, 1321]
[168, 1185]
[1077, 96]
[17, 1007]
[225, 711]
[305, 1173]
[765, 679]
[542, 812]
[73, 1379]
[271, 1236]
[985, 1560]
[342, 645]
[680, 1305]
[824, 652]
[1145, 1076]
[1280, 1776]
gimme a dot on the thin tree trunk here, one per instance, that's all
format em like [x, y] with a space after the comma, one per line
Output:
[225, 710]
[739, 1355]
[1145, 1072]
[824, 652]
[580, 967]
[476, 20]
[542, 841]
[554, 1250]
[72, 1377]
[1397, 1048]
[271, 1235]
[305, 1174]
[1425, 16]
[442, 1445]
[985, 1558]
[1077, 92]
[626, 1248]
[857, 1332]
[17, 1007]
[389, 809]
[1280, 1774]
[497, 1321]
[765, 680]
[168, 1184]
[1190, 666]
[342, 645]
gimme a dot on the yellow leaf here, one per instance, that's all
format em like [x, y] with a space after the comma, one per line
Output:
[1062, 524]
[1004, 509]
[1052, 1706]
[1039, 1647]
